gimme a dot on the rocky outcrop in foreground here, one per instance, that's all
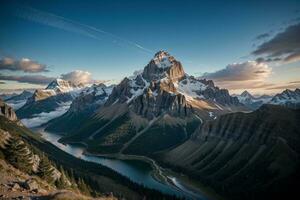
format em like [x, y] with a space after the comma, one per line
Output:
[7, 111]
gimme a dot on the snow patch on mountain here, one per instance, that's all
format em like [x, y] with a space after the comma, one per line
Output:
[189, 87]
[137, 87]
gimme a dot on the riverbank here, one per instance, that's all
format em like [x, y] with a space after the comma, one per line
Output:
[140, 169]
[181, 182]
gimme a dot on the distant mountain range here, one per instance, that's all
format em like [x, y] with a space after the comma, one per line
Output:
[83, 106]
[287, 98]
[55, 99]
[253, 102]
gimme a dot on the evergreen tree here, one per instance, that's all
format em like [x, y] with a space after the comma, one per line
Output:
[63, 182]
[18, 154]
[45, 170]
[72, 179]
[82, 186]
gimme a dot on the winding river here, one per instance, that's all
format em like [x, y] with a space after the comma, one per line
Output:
[136, 170]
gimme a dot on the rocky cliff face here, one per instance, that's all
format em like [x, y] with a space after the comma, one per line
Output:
[158, 100]
[90, 98]
[161, 66]
[7, 111]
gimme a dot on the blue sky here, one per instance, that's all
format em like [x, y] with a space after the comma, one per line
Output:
[205, 36]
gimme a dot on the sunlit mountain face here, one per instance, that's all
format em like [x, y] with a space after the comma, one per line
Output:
[149, 99]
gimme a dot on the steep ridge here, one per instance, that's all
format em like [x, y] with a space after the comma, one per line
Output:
[244, 155]
[161, 91]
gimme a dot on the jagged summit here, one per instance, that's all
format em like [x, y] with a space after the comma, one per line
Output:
[161, 66]
[161, 54]
[246, 94]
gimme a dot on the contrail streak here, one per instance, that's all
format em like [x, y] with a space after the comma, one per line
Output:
[59, 22]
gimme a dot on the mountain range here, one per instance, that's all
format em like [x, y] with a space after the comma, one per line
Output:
[252, 102]
[287, 98]
[239, 145]
[161, 97]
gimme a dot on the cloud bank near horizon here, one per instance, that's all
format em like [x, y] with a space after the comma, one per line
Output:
[246, 75]
[24, 65]
[31, 79]
[76, 76]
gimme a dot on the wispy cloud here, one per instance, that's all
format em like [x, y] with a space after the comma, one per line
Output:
[284, 46]
[50, 19]
[285, 86]
[76, 76]
[263, 36]
[79, 76]
[24, 64]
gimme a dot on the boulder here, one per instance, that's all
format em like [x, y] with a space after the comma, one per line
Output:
[15, 187]
[31, 184]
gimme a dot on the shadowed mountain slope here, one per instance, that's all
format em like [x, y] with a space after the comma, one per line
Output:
[244, 155]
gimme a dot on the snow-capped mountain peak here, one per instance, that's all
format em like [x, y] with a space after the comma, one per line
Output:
[287, 98]
[163, 65]
[60, 85]
[163, 59]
